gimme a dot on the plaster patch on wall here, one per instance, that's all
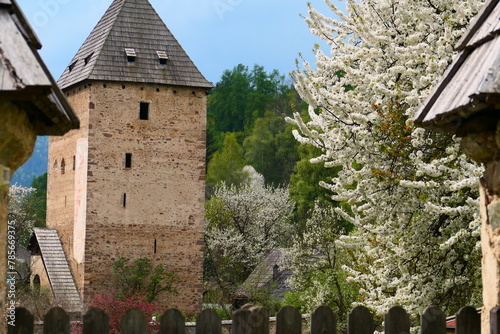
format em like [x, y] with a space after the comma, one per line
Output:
[82, 145]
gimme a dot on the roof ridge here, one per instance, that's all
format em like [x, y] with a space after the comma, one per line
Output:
[98, 55]
[131, 43]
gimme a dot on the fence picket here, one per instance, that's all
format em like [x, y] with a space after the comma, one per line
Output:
[259, 320]
[468, 321]
[495, 320]
[433, 321]
[56, 321]
[134, 322]
[241, 322]
[360, 321]
[172, 322]
[23, 322]
[208, 322]
[323, 321]
[288, 321]
[95, 321]
[255, 320]
[397, 321]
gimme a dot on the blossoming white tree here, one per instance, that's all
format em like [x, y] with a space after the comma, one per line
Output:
[244, 223]
[315, 260]
[20, 214]
[410, 194]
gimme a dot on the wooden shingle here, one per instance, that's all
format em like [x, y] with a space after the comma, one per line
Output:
[24, 78]
[267, 274]
[132, 24]
[472, 82]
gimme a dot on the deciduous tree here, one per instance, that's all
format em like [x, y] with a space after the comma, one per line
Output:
[411, 195]
[243, 224]
[20, 212]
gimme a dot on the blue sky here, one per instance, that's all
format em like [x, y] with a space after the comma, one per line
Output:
[217, 34]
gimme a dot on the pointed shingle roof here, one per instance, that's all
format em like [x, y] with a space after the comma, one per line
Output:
[132, 24]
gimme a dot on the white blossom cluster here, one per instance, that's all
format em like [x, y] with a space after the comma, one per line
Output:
[250, 221]
[315, 260]
[18, 213]
[412, 195]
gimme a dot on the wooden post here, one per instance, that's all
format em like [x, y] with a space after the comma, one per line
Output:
[433, 321]
[468, 321]
[208, 322]
[134, 322]
[397, 321]
[172, 322]
[288, 321]
[95, 321]
[360, 321]
[24, 322]
[56, 321]
[323, 321]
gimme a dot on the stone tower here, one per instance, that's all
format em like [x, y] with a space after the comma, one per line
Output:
[130, 181]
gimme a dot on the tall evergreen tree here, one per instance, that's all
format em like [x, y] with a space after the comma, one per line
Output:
[226, 165]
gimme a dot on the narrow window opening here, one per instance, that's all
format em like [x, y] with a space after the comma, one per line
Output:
[124, 200]
[144, 111]
[154, 250]
[55, 164]
[36, 283]
[74, 162]
[128, 160]
[63, 167]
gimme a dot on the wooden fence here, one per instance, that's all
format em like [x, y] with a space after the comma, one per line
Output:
[255, 320]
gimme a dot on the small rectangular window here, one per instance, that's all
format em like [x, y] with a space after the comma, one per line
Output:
[124, 200]
[144, 111]
[131, 55]
[162, 55]
[128, 160]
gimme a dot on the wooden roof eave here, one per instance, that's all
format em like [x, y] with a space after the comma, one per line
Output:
[24, 25]
[452, 121]
[476, 24]
[33, 85]
[435, 94]
[480, 40]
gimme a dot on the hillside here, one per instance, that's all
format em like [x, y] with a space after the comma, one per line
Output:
[36, 164]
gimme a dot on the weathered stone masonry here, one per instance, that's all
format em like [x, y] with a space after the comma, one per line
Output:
[162, 216]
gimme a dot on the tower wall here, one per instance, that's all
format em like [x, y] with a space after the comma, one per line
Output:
[144, 186]
[61, 180]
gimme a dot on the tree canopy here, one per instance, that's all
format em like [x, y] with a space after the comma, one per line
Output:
[411, 195]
